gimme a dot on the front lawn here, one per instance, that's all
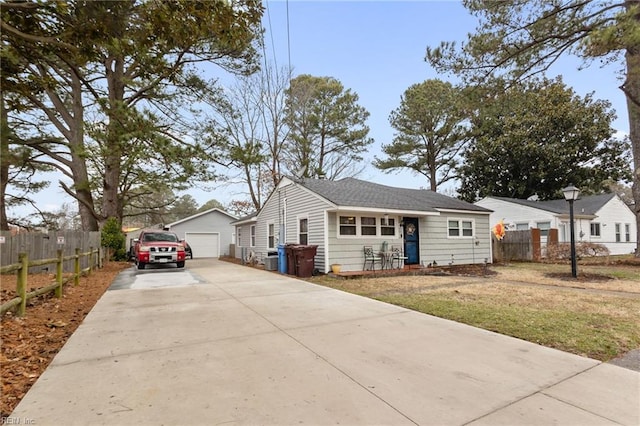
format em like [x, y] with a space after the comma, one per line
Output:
[595, 316]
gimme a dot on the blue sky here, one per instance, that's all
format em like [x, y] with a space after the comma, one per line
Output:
[377, 50]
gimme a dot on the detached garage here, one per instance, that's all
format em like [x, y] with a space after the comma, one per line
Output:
[204, 244]
[208, 233]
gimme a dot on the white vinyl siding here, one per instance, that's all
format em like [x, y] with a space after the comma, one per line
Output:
[285, 214]
[436, 245]
[614, 211]
[347, 250]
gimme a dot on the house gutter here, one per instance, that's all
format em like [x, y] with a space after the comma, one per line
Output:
[382, 211]
[487, 212]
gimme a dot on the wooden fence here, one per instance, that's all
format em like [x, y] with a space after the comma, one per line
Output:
[94, 259]
[40, 245]
[522, 245]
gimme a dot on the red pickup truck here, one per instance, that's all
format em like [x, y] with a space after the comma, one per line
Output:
[158, 247]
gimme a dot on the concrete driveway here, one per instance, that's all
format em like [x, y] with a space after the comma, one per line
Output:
[219, 343]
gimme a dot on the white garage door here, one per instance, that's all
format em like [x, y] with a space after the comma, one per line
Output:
[204, 244]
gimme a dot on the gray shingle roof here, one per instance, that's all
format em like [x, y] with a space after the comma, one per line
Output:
[584, 205]
[351, 192]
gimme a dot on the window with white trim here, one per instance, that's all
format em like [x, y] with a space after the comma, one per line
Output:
[522, 226]
[388, 226]
[627, 232]
[595, 229]
[271, 235]
[544, 228]
[459, 228]
[347, 225]
[239, 239]
[253, 235]
[303, 231]
[618, 237]
[368, 226]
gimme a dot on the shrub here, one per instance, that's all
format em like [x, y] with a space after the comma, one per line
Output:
[562, 251]
[113, 239]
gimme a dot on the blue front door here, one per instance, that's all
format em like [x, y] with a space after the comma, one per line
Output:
[411, 240]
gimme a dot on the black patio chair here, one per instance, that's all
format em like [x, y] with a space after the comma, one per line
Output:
[370, 257]
[397, 256]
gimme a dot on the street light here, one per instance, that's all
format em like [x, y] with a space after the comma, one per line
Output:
[571, 194]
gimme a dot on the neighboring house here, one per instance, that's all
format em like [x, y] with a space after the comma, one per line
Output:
[209, 233]
[603, 219]
[343, 216]
[245, 235]
[133, 232]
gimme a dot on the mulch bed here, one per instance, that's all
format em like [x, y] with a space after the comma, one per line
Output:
[29, 343]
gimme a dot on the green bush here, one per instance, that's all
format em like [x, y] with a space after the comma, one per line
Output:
[113, 239]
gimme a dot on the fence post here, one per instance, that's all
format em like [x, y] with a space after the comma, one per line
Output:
[536, 247]
[76, 267]
[90, 260]
[59, 274]
[100, 257]
[21, 287]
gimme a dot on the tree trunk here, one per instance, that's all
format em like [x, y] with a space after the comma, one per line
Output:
[632, 90]
[82, 188]
[113, 149]
[4, 164]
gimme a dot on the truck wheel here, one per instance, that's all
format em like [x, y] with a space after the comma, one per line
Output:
[141, 265]
[180, 264]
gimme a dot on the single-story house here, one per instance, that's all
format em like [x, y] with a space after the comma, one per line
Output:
[603, 219]
[245, 233]
[342, 217]
[209, 233]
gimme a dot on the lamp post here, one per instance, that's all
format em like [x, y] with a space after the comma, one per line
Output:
[571, 194]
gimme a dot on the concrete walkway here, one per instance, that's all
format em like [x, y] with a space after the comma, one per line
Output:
[226, 344]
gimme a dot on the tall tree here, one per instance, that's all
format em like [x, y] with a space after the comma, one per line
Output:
[127, 55]
[211, 204]
[181, 208]
[531, 138]
[522, 38]
[327, 128]
[33, 44]
[246, 131]
[430, 132]
[140, 61]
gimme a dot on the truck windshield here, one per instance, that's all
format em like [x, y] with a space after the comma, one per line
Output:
[160, 237]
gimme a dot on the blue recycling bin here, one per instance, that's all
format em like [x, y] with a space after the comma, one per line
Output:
[282, 259]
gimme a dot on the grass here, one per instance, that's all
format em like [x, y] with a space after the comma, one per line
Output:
[598, 320]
